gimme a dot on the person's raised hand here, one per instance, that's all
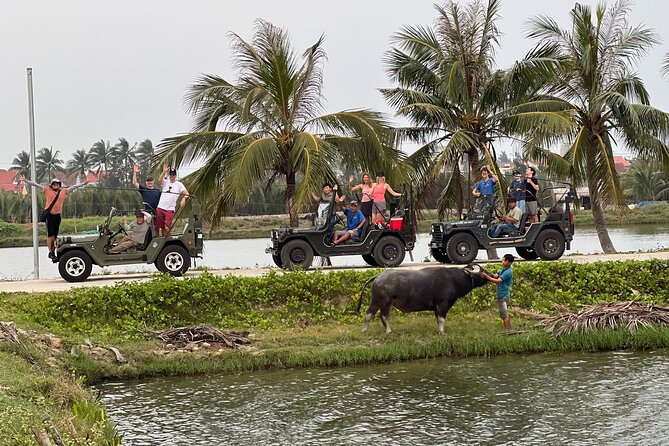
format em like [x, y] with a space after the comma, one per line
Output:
[166, 167]
[350, 178]
[21, 178]
[135, 168]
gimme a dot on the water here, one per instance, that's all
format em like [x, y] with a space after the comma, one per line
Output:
[250, 253]
[582, 399]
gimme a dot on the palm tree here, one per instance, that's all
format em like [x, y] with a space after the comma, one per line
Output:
[144, 151]
[22, 163]
[591, 66]
[124, 158]
[47, 163]
[644, 181]
[457, 103]
[101, 155]
[267, 126]
[79, 164]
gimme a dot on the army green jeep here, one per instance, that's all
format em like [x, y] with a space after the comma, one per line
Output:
[76, 254]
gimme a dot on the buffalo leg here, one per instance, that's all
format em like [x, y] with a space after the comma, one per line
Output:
[369, 315]
[441, 312]
[385, 318]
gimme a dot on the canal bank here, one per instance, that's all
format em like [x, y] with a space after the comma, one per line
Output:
[301, 320]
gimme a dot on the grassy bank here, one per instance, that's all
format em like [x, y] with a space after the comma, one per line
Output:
[260, 226]
[295, 319]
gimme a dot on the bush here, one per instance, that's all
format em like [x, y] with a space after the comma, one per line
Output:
[299, 298]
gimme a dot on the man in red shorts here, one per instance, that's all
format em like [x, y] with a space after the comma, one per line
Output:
[172, 189]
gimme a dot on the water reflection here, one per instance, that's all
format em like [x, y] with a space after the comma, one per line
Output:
[577, 399]
[250, 253]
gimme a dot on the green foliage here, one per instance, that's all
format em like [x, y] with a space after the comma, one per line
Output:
[302, 299]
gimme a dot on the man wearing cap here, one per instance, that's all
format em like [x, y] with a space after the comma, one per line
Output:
[55, 196]
[167, 205]
[150, 195]
[354, 223]
[137, 232]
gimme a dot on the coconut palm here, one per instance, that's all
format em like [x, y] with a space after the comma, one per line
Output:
[458, 104]
[592, 72]
[645, 181]
[101, 155]
[267, 126]
[22, 162]
[144, 151]
[79, 164]
[47, 163]
[124, 158]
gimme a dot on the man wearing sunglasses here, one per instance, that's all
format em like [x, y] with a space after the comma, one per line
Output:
[167, 206]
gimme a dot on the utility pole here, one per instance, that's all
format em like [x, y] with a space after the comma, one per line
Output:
[33, 173]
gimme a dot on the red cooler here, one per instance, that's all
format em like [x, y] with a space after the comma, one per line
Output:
[396, 223]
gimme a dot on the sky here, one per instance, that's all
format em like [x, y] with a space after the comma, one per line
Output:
[110, 69]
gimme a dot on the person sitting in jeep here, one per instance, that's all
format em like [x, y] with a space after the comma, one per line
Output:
[136, 238]
[510, 221]
[355, 220]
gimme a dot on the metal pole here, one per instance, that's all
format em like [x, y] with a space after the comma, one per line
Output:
[33, 173]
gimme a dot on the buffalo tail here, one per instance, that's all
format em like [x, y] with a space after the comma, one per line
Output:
[362, 291]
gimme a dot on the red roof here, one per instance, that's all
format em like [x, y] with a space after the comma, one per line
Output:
[621, 163]
[7, 182]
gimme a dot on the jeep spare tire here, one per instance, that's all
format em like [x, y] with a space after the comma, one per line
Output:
[75, 266]
[174, 260]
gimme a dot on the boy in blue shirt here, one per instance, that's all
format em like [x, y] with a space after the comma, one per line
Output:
[355, 221]
[504, 280]
[486, 187]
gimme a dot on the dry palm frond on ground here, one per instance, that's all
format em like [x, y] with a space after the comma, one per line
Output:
[630, 315]
[197, 334]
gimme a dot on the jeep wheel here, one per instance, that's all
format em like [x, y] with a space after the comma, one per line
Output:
[277, 261]
[527, 253]
[549, 244]
[174, 260]
[389, 252]
[440, 256]
[297, 253]
[75, 266]
[462, 248]
[370, 260]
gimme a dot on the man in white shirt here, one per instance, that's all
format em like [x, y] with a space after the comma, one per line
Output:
[172, 189]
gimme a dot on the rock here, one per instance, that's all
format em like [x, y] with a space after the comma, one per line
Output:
[119, 357]
[205, 345]
[55, 342]
[99, 351]
[169, 346]
[88, 343]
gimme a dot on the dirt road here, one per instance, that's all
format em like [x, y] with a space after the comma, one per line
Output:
[106, 280]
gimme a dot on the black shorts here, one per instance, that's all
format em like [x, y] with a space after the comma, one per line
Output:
[52, 225]
[366, 208]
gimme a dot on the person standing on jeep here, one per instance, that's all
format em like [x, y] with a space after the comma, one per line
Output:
[517, 190]
[531, 189]
[139, 228]
[486, 187]
[150, 195]
[55, 196]
[167, 205]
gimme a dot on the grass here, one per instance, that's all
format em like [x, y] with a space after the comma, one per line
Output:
[260, 226]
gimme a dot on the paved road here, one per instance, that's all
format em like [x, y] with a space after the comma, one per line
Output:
[60, 284]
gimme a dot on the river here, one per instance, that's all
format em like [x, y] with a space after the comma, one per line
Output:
[250, 253]
[583, 399]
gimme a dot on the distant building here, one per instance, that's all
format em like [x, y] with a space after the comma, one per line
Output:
[621, 163]
[73, 178]
[8, 181]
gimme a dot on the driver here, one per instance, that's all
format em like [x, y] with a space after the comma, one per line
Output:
[355, 222]
[510, 221]
[136, 238]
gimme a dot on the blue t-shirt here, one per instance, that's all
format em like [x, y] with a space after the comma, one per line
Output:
[353, 220]
[486, 187]
[504, 288]
[151, 197]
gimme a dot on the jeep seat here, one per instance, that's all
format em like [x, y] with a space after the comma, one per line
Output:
[521, 231]
[363, 232]
[147, 240]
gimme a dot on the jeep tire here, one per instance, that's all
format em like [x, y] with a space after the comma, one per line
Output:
[370, 260]
[174, 260]
[440, 256]
[462, 248]
[389, 251]
[549, 244]
[527, 253]
[75, 266]
[296, 253]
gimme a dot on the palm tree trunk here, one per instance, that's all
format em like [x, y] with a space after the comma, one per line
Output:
[289, 200]
[598, 216]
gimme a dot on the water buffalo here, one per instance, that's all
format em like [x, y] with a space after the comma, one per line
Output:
[434, 289]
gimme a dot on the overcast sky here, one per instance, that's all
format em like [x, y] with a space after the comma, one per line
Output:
[110, 69]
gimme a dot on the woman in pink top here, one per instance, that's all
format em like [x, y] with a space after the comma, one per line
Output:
[379, 195]
[366, 188]
[53, 218]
